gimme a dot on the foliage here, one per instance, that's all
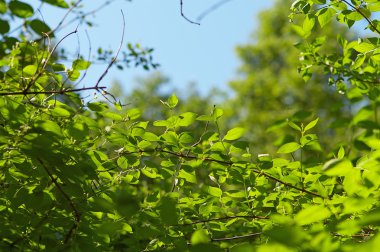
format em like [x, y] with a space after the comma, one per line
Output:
[98, 176]
[270, 91]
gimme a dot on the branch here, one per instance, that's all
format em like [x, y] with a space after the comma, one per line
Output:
[229, 163]
[234, 237]
[63, 91]
[117, 54]
[211, 9]
[76, 213]
[36, 77]
[183, 15]
[225, 218]
[363, 15]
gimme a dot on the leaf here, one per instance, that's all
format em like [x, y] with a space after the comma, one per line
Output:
[234, 134]
[312, 214]
[341, 152]
[217, 113]
[49, 126]
[97, 106]
[325, 15]
[4, 26]
[337, 167]
[21, 9]
[289, 147]
[364, 47]
[308, 24]
[294, 126]
[311, 125]
[58, 3]
[172, 101]
[186, 119]
[199, 237]
[214, 191]
[39, 26]
[80, 64]
[30, 70]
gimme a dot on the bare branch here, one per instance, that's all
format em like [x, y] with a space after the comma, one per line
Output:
[117, 54]
[183, 15]
[211, 9]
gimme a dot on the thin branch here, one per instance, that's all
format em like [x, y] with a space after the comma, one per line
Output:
[76, 213]
[183, 15]
[235, 237]
[64, 17]
[64, 91]
[117, 54]
[363, 15]
[36, 77]
[225, 218]
[211, 9]
[229, 163]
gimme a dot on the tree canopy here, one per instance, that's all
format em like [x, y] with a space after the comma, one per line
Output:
[161, 174]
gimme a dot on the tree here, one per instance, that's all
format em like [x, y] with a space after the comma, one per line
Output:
[78, 176]
[270, 91]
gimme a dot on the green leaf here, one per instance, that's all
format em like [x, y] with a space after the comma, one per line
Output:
[199, 237]
[312, 214]
[4, 26]
[186, 119]
[21, 9]
[3, 7]
[311, 125]
[80, 64]
[337, 167]
[97, 106]
[234, 134]
[39, 26]
[217, 113]
[341, 152]
[47, 125]
[289, 147]
[58, 3]
[325, 15]
[294, 126]
[364, 47]
[172, 101]
[189, 177]
[30, 70]
[308, 24]
[214, 191]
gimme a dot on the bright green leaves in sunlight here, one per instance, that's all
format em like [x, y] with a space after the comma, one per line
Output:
[234, 134]
[94, 172]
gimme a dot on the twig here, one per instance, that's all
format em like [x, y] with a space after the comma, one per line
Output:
[363, 15]
[229, 163]
[36, 77]
[117, 54]
[211, 9]
[225, 218]
[183, 15]
[64, 91]
[234, 237]
[75, 4]
[76, 213]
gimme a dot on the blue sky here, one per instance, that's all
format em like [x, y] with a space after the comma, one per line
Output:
[187, 53]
